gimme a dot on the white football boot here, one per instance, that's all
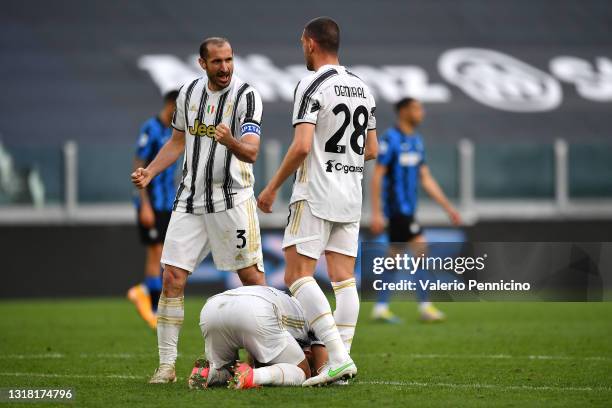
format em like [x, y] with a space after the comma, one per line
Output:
[329, 375]
[164, 374]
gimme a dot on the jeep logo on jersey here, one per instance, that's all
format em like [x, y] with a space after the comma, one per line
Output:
[200, 129]
[344, 168]
[499, 80]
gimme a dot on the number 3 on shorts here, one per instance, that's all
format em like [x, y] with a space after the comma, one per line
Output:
[240, 236]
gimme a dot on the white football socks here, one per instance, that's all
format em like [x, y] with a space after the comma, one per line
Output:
[318, 313]
[170, 314]
[279, 374]
[347, 310]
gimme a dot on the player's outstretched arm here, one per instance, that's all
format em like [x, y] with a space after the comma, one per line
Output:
[245, 149]
[431, 187]
[371, 147]
[299, 149]
[168, 154]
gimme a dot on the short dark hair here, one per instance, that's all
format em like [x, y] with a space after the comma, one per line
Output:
[218, 41]
[404, 102]
[171, 96]
[325, 32]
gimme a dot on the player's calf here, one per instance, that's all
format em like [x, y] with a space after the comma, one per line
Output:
[243, 378]
[280, 374]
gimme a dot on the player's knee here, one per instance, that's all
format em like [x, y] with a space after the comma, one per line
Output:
[168, 281]
[251, 276]
[174, 281]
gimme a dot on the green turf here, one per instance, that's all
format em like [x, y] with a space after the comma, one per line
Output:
[479, 357]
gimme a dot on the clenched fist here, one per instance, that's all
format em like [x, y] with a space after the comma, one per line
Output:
[223, 135]
[141, 177]
[266, 199]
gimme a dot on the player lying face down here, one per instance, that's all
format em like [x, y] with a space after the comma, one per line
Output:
[254, 374]
[266, 322]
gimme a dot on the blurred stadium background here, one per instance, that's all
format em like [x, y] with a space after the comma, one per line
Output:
[518, 96]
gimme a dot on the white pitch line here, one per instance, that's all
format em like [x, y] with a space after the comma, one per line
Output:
[486, 356]
[122, 356]
[31, 356]
[119, 356]
[52, 375]
[412, 384]
[487, 386]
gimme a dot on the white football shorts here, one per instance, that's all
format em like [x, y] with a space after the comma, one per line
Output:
[312, 235]
[232, 236]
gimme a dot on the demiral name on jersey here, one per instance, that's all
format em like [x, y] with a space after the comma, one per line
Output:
[350, 91]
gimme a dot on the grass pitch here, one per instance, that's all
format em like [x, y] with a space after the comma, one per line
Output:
[486, 354]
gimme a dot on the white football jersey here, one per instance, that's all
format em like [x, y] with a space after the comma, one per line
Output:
[341, 107]
[213, 178]
[289, 309]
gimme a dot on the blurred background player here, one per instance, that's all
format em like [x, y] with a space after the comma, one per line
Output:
[399, 170]
[154, 207]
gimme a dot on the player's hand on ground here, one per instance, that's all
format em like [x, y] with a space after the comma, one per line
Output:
[377, 224]
[455, 217]
[141, 177]
[146, 215]
[266, 200]
[223, 134]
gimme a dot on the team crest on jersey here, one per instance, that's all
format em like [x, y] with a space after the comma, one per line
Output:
[193, 108]
[228, 109]
[143, 139]
[409, 159]
[383, 147]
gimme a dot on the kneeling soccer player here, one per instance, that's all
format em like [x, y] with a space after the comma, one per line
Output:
[268, 324]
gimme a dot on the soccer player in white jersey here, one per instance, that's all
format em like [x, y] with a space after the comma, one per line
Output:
[335, 132]
[217, 126]
[266, 322]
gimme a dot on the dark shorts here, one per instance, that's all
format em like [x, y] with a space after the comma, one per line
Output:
[156, 234]
[403, 228]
